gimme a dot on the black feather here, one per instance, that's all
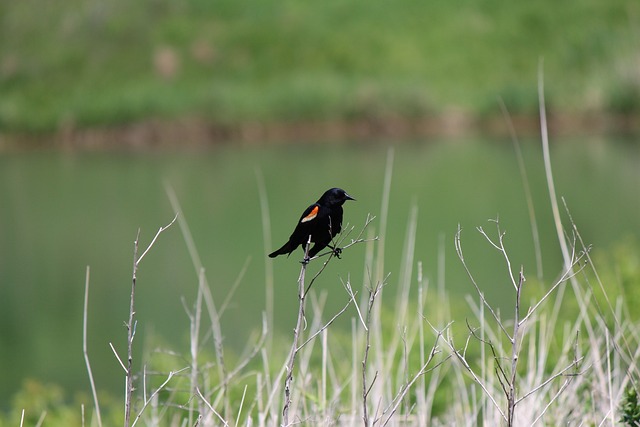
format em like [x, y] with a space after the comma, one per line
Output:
[322, 221]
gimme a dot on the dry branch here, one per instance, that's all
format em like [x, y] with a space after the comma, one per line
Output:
[131, 325]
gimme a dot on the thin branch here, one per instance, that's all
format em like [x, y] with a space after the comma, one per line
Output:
[423, 370]
[458, 246]
[131, 325]
[553, 399]
[337, 243]
[130, 335]
[500, 247]
[155, 237]
[500, 372]
[373, 293]
[211, 407]
[515, 350]
[146, 403]
[124, 368]
[461, 358]
[296, 335]
[568, 274]
[352, 295]
[244, 393]
[331, 254]
[326, 325]
[561, 373]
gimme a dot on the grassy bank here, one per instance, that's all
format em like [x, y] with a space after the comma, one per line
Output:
[81, 64]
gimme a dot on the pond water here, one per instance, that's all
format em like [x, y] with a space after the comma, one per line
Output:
[61, 212]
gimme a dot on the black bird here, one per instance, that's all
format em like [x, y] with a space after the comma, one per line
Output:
[322, 221]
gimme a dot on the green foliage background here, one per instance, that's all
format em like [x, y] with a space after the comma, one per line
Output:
[84, 63]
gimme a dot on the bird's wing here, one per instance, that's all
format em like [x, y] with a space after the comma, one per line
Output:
[310, 213]
[336, 221]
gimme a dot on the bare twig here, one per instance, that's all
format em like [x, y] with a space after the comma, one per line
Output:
[155, 237]
[458, 246]
[296, 335]
[124, 368]
[331, 254]
[568, 273]
[352, 295]
[130, 335]
[561, 373]
[302, 293]
[162, 386]
[244, 393]
[326, 325]
[515, 349]
[461, 358]
[373, 293]
[131, 325]
[500, 247]
[423, 370]
[507, 379]
[199, 393]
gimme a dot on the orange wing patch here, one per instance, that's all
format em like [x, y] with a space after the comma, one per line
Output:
[312, 214]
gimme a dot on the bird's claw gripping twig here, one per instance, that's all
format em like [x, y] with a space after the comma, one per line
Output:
[337, 252]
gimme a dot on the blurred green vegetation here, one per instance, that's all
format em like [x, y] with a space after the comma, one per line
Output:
[84, 63]
[64, 211]
[630, 408]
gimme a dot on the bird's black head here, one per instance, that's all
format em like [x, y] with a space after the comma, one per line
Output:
[334, 197]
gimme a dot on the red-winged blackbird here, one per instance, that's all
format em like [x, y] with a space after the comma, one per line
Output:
[322, 221]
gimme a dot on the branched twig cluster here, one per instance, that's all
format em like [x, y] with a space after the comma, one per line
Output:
[387, 382]
[303, 290]
[131, 324]
[506, 360]
[366, 388]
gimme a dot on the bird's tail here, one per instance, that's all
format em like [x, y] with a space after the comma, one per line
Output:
[285, 249]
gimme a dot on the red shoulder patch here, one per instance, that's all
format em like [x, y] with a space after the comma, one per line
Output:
[311, 215]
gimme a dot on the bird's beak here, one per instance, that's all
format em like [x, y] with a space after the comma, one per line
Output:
[348, 197]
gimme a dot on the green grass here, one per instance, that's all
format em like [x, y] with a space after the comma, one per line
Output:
[74, 63]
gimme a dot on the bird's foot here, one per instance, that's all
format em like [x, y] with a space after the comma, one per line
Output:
[305, 260]
[337, 252]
